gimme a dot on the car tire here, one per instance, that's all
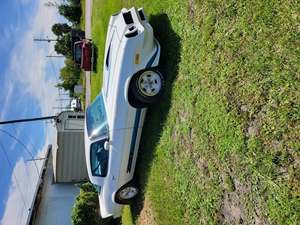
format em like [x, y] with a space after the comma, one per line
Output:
[126, 193]
[147, 86]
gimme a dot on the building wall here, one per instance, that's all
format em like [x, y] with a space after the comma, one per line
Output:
[69, 161]
[70, 158]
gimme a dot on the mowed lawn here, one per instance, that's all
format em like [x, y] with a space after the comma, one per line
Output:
[223, 145]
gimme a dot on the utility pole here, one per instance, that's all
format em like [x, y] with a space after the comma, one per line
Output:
[36, 159]
[58, 107]
[54, 56]
[28, 119]
[63, 99]
[44, 39]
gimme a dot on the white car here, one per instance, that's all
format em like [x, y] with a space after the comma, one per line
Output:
[114, 120]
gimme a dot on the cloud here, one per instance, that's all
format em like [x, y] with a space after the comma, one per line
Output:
[29, 74]
[24, 2]
[21, 193]
[29, 63]
[9, 89]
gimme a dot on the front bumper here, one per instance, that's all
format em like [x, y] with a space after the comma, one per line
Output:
[108, 208]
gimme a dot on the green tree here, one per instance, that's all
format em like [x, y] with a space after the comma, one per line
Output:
[69, 75]
[75, 2]
[64, 45]
[86, 208]
[70, 12]
[59, 29]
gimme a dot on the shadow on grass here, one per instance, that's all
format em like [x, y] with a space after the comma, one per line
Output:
[95, 57]
[157, 114]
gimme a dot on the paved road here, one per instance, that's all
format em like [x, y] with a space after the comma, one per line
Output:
[88, 34]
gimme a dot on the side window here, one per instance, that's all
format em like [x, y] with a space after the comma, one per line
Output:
[99, 159]
[107, 57]
[77, 53]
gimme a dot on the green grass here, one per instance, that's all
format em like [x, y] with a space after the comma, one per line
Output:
[228, 123]
[100, 18]
[127, 216]
[82, 18]
[82, 74]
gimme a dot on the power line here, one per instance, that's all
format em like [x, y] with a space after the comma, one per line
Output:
[17, 182]
[25, 147]
[27, 137]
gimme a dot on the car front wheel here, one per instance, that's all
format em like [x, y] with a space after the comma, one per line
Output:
[126, 194]
[147, 86]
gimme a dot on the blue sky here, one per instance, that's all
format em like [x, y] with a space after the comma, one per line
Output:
[27, 81]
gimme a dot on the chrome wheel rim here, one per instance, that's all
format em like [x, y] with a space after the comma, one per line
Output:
[149, 83]
[128, 192]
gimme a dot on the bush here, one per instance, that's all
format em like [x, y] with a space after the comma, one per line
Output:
[86, 208]
[69, 75]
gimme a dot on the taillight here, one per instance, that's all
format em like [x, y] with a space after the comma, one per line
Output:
[128, 17]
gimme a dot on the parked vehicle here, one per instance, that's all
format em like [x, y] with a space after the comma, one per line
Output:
[114, 120]
[83, 54]
[76, 105]
[76, 35]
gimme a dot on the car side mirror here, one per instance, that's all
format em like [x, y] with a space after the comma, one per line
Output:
[106, 145]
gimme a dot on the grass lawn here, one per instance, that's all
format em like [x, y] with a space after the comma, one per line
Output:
[82, 18]
[222, 147]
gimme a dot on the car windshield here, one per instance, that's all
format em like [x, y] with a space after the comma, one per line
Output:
[96, 119]
[99, 159]
[77, 53]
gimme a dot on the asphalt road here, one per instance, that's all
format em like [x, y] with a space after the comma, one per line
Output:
[88, 34]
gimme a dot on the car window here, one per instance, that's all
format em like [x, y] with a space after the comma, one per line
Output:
[99, 159]
[77, 53]
[96, 119]
[107, 57]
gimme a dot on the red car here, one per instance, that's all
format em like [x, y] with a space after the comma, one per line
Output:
[83, 54]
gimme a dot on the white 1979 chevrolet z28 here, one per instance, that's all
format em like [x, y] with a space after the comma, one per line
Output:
[114, 120]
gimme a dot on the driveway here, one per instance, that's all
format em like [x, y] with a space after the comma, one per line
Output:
[88, 34]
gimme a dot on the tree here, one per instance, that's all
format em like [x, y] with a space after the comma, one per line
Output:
[64, 45]
[70, 12]
[85, 210]
[59, 29]
[75, 2]
[70, 75]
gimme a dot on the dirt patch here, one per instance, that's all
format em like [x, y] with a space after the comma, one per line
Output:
[146, 216]
[191, 9]
[233, 210]
[253, 128]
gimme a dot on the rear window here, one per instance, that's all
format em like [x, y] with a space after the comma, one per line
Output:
[77, 53]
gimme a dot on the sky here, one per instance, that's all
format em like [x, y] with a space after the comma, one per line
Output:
[27, 81]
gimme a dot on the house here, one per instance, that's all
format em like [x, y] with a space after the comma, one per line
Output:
[68, 158]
